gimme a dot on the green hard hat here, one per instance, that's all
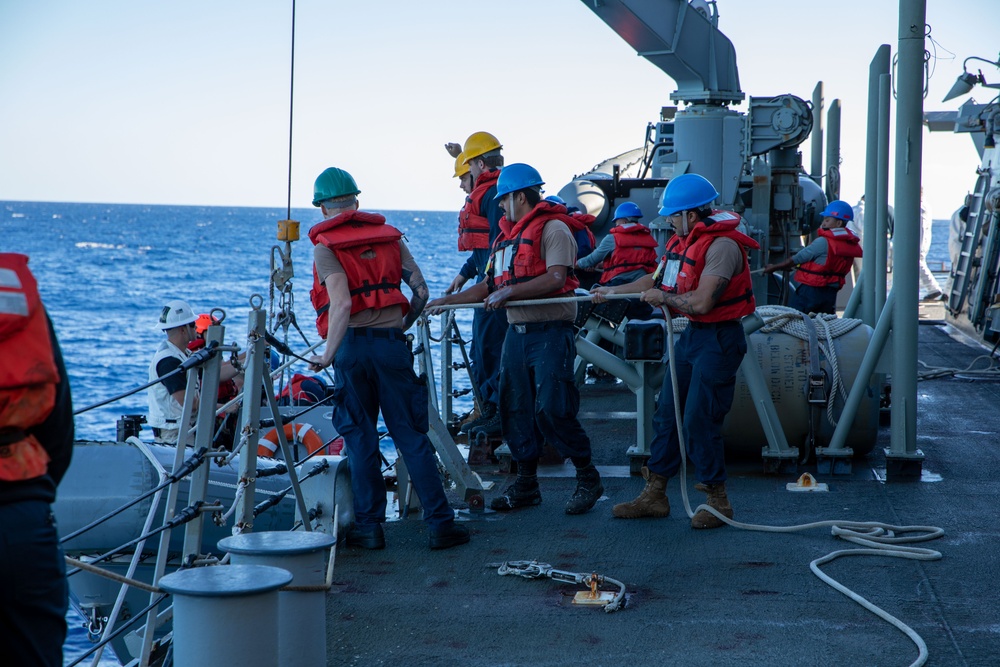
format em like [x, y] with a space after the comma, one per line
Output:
[332, 183]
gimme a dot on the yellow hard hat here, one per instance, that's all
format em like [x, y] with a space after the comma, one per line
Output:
[461, 168]
[479, 143]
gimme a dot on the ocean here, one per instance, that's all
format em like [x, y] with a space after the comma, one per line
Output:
[105, 271]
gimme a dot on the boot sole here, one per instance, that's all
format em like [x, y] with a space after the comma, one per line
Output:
[508, 507]
[583, 510]
[647, 515]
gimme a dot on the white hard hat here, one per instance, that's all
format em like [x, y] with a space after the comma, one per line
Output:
[176, 313]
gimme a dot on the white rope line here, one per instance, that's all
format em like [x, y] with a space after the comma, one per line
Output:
[539, 302]
[880, 539]
[991, 372]
[240, 491]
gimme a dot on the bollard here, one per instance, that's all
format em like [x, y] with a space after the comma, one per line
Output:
[214, 606]
[301, 614]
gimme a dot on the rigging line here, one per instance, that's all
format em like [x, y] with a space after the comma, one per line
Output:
[291, 106]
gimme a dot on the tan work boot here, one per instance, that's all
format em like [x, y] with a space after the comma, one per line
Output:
[651, 502]
[718, 501]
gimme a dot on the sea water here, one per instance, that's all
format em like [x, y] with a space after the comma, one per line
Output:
[105, 271]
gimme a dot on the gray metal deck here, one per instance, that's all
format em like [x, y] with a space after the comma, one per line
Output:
[720, 597]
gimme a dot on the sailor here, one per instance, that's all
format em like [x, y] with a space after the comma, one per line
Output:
[359, 262]
[532, 258]
[462, 172]
[166, 398]
[478, 226]
[36, 444]
[707, 277]
[630, 245]
[928, 283]
[823, 265]
[585, 239]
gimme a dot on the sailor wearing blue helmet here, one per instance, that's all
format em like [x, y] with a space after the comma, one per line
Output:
[706, 278]
[823, 265]
[530, 259]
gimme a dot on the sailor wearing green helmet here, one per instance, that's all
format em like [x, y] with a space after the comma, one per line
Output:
[362, 313]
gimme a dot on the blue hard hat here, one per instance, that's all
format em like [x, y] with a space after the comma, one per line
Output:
[687, 192]
[556, 199]
[627, 210]
[517, 177]
[838, 209]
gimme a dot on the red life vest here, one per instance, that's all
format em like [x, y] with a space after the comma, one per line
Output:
[517, 251]
[737, 299]
[474, 228]
[635, 248]
[298, 390]
[842, 247]
[28, 374]
[373, 281]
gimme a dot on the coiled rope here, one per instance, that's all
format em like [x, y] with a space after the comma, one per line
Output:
[789, 321]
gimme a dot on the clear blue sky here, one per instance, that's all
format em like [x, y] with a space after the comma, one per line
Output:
[186, 102]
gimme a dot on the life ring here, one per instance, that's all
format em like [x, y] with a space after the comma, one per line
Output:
[302, 433]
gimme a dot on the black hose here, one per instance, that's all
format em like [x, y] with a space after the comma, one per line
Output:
[187, 514]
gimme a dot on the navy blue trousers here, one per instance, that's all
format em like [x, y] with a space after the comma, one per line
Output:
[538, 395]
[489, 328]
[809, 299]
[33, 591]
[374, 370]
[706, 360]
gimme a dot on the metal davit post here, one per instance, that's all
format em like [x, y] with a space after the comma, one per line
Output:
[903, 459]
[250, 415]
[879, 66]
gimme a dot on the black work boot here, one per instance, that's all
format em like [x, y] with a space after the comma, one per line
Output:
[448, 535]
[368, 536]
[522, 493]
[588, 490]
[489, 411]
[489, 427]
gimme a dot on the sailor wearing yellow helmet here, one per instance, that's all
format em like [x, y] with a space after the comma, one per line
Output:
[478, 226]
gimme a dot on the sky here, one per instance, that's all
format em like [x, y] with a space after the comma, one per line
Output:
[187, 102]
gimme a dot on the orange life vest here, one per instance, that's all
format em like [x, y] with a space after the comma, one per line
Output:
[473, 227]
[635, 248]
[517, 252]
[737, 299]
[842, 247]
[28, 374]
[373, 281]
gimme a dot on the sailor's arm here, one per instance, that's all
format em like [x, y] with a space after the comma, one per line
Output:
[474, 294]
[553, 280]
[696, 302]
[634, 287]
[338, 317]
[415, 280]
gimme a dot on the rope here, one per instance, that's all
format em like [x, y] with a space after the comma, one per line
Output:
[789, 321]
[991, 372]
[880, 539]
[93, 569]
[537, 302]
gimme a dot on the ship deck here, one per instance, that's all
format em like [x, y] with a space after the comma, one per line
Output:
[717, 597]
